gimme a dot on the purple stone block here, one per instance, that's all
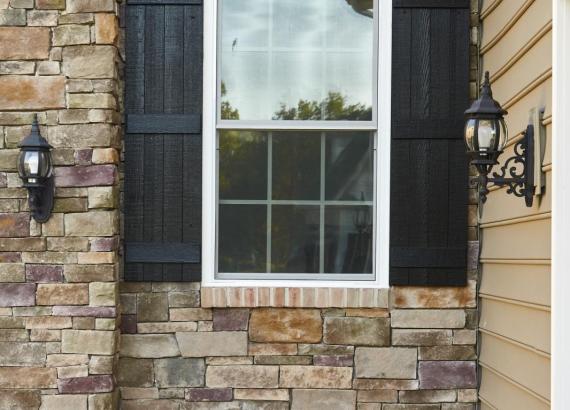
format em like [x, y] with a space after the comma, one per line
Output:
[204, 394]
[231, 319]
[44, 273]
[89, 384]
[83, 156]
[94, 175]
[342, 360]
[15, 225]
[128, 324]
[17, 294]
[86, 311]
[447, 375]
[103, 244]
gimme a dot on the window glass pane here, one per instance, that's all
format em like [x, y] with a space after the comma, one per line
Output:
[296, 59]
[242, 239]
[296, 165]
[349, 175]
[295, 239]
[243, 165]
[348, 239]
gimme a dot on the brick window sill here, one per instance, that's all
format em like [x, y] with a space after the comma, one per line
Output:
[252, 297]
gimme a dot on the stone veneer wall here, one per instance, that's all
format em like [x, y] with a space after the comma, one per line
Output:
[181, 347]
[58, 281]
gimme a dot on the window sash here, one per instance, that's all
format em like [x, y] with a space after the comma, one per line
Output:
[380, 123]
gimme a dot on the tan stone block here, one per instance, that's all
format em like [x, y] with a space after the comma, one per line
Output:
[48, 68]
[50, 4]
[64, 402]
[88, 341]
[70, 205]
[89, 273]
[20, 399]
[12, 272]
[105, 156]
[62, 294]
[87, 6]
[285, 325]
[31, 93]
[261, 394]
[72, 371]
[467, 395]
[102, 197]
[96, 100]
[96, 258]
[12, 323]
[428, 319]
[228, 360]
[105, 324]
[17, 67]
[368, 312]
[48, 322]
[152, 307]
[132, 393]
[77, 116]
[67, 244]
[166, 327]
[315, 377]
[242, 376]
[272, 349]
[447, 353]
[53, 347]
[84, 323]
[42, 18]
[385, 362]
[95, 223]
[70, 34]
[27, 378]
[24, 43]
[52, 258]
[421, 337]
[61, 360]
[434, 297]
[464, 337]
[190, 314]
[103, 293]
[326, 399]
[101, 365]
[103, 401]
[89, 61]
[76, 18]
[149, 346]
[53, 226]
[106, 28]
[357, 331]
[377, 396]
[386, 384]
[201, 344]
[428, 396]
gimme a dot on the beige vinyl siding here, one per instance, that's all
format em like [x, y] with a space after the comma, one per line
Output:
[515, 285]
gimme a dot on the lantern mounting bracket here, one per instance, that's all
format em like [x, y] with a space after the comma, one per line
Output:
[40, 200]
[517, 173]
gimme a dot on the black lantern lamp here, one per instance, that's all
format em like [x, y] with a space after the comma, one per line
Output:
[36, 171]
[486, 136]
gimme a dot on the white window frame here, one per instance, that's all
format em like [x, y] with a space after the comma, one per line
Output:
[382, 180]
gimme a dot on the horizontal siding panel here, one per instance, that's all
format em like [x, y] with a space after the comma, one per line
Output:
[523, 324]
[503, 394]
[520, 364]
[538, 15]
[526, 70]
[501, 206]
[525, 283]
[539, 97]
[499, 18]
[525, 240]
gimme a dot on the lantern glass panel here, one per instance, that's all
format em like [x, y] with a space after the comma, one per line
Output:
[34, 164]
[470, 128]
[503, 134]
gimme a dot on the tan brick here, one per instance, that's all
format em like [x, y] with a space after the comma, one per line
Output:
[95, 223]
[96, 258]
[190, 314]
[377, 396]
[385, 363]
[48, 322]
[62, 294]
[261, 394]
[285, 325]
[64, 402]
[326, 399]
[87, 6]
[434, 297]
[61, 360]
[96, 100]
[72, 371]
[149, 346]
[24, 43]
[428, 319]
[102, 197]
[105, 156]
[31, 93]
[89, 61]
[103, 293]
[201, 344]
[27, 378]
[271, 349]
[71, 34]
[88, 341]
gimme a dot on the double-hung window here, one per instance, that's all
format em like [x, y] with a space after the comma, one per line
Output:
[296, 142]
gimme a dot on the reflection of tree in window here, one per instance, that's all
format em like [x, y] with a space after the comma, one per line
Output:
[227, 111]
[332, 108]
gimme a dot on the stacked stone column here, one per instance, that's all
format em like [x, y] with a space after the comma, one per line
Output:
[58, 280]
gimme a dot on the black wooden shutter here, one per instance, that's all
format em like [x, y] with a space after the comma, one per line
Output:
[429, 176]
[163, 142]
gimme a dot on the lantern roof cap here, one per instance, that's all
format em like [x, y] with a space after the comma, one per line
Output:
[35, 139]
[485, 104]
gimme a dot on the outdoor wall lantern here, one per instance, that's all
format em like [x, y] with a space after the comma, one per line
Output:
[486, 136]
[36, 171]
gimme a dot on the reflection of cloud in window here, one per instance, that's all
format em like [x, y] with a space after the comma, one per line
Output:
[276, 52]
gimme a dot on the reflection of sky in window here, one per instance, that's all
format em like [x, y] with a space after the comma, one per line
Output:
[277, 52]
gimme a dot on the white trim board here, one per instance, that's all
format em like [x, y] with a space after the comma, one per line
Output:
[209, 171]
[560, 279]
